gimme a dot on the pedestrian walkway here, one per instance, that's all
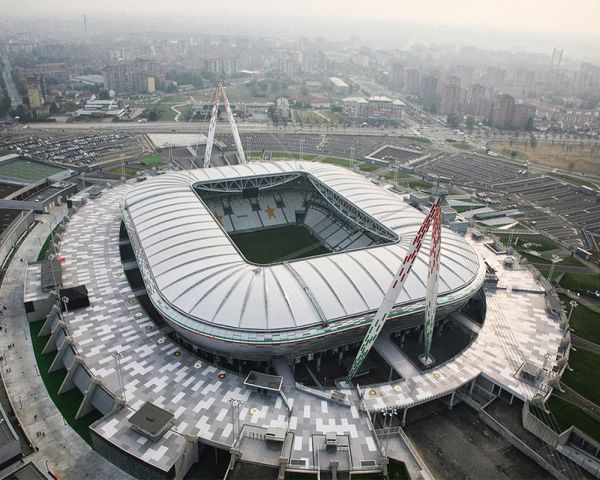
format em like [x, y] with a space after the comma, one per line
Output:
[59, 448]
[395, 357]
[584, 344]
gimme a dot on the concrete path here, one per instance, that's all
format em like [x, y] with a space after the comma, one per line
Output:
[575, 398]
[67, 455]
[395, 357]
[584, 344]
[178, 112]
[397, 449]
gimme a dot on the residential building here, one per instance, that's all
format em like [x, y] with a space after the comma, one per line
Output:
[523, 114]
[397, 77]
[412, 81]
[502, 111]
[282, 109]
[338, 86]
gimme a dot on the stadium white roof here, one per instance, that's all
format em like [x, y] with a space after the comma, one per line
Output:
[200, 273]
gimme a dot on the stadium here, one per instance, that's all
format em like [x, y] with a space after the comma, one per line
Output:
[283, 258]
[274, 313]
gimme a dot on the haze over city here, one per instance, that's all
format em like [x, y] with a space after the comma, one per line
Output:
[299, 239]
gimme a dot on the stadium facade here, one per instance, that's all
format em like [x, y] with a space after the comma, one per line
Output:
[182, 227]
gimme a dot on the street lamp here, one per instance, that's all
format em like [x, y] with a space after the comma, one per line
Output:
[65, 301]
[555, 259]
[573, 304]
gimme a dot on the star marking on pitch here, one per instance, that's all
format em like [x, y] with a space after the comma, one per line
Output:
[270, 212]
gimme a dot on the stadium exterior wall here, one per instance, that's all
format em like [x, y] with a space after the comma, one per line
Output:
[222, 341]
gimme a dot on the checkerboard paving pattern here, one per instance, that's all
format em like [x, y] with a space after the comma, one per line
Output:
[155, 369]
[200, 401]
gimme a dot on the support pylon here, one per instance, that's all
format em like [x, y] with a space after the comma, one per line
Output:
[433, 217]
[220, 92]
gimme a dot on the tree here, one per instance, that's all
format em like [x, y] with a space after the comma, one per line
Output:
[453, 120]
[152, 115]
[103, 95]
[469, 122]
[529, 124]
[53, 109]
[533, 141]
[22, 112]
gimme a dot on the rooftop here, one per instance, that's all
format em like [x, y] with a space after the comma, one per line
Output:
[197, 274]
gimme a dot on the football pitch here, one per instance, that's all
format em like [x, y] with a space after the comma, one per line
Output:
[278, 244]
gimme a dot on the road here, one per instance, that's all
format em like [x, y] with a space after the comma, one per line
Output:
[195, 127]
[15, 97]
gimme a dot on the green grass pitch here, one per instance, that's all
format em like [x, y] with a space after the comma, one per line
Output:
[278, 244]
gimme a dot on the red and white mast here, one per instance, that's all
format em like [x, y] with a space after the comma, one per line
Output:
[433, 217]
[220, 91]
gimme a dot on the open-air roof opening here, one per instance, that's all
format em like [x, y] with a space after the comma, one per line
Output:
[288, 216]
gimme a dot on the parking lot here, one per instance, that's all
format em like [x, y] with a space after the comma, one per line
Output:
[566, 211]
[480, 172]
[75, 151]
[338, 145]
[555, 206]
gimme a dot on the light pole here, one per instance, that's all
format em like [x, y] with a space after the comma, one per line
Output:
[117, 357]
[388, 413]
[235, 416]
[555, 259]
[65, 301]
[573, 304]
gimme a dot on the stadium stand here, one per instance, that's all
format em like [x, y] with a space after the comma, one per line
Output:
[286, 207]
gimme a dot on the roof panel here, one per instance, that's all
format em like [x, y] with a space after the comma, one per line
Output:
[201, 273]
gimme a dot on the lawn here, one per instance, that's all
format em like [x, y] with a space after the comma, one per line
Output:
[150, 160]
[68, 402]
[406, 179]
[584, 322]
[581, 281]
[314, 117]
[566, 414]
[584, 377]
[281, 156]
[334, 117]
[535, 259]
[46, 245]
[343, 162]
[538, 243]
[581, 159]
[268, 246]
[417, 138]
[463, 209]
[575, 180]
[24, 170]
[420, 184]
[131, 169]
[572, 261]
[166, 113]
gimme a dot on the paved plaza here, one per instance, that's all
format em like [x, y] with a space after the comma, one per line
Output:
[201, 396]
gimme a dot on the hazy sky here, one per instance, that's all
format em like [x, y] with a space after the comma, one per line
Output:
[559, 16]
